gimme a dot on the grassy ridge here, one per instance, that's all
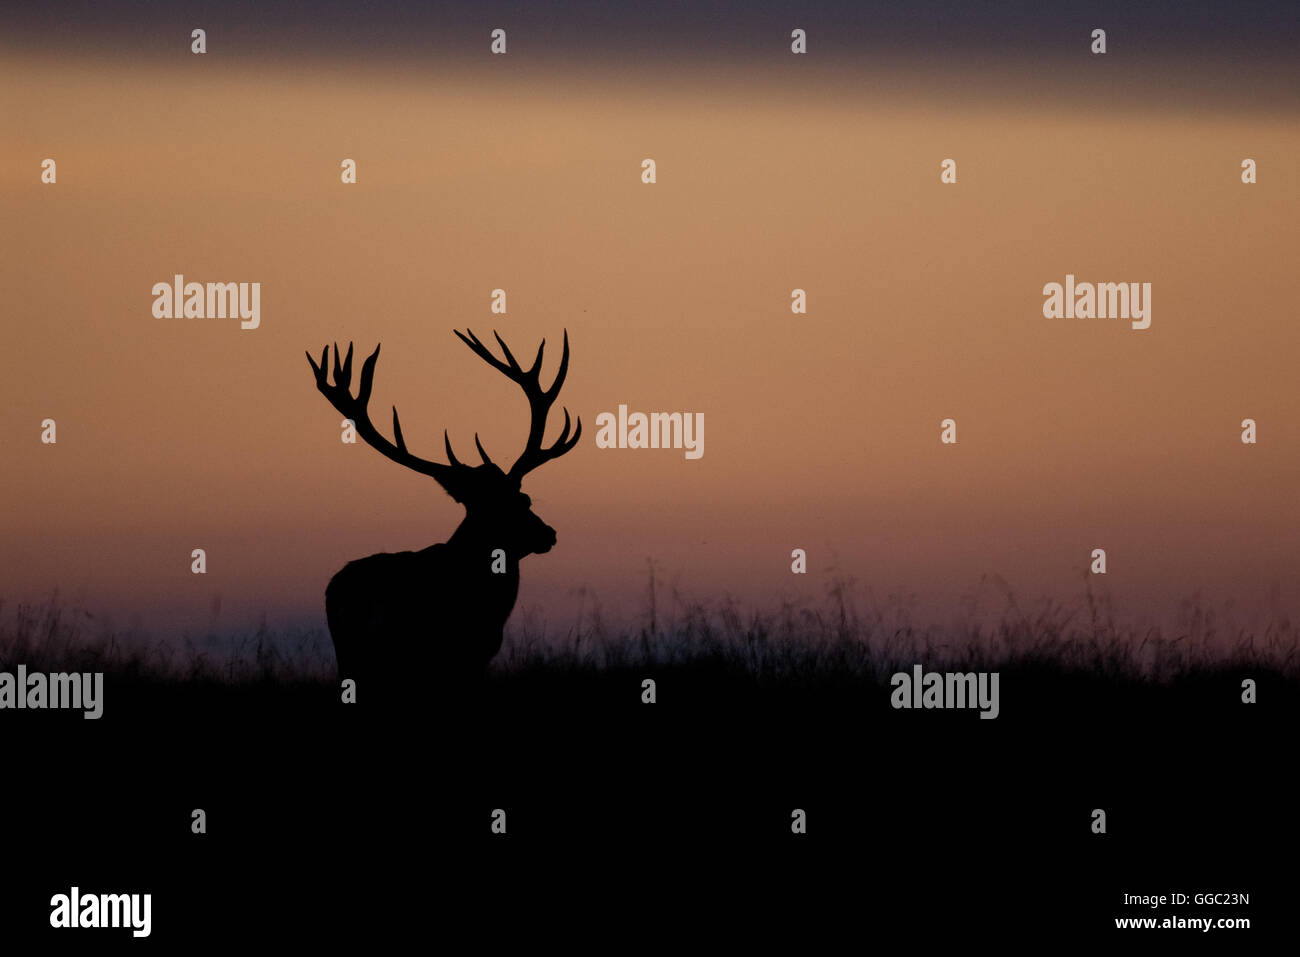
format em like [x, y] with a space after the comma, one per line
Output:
[794, 645]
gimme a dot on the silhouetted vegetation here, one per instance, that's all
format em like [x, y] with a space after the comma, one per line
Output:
[825, 648]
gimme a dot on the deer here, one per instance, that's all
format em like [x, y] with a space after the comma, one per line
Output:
[438, 615]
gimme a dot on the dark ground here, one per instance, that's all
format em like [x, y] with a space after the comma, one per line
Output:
[668, 823]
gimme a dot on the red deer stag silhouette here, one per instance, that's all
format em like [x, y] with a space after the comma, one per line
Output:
[438, 614]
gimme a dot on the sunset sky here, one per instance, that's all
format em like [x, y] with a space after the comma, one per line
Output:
[775, 172]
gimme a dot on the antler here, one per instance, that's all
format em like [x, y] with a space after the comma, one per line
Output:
[340, 396]
[539, 401]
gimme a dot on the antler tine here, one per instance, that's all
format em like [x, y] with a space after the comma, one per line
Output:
[529, 378]
[539, 400]
[367, 377]
[397, 432]
[554, 390]
[342, 374]
[451, 456]
[565, 442]
[536, 369]
[484, 353]
[510, 357]
[577, 433]
[316, 368]
[340, 396]
[534, 455]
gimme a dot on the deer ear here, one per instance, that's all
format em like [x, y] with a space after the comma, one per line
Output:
[457, 481]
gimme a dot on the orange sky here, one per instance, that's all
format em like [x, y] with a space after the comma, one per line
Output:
[822, 431]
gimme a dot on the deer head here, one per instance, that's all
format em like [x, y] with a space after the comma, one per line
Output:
[496, 509]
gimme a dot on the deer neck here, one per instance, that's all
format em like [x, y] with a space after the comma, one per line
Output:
[475, 545]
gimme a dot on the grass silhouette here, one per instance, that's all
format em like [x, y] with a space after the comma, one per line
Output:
[833, 647]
